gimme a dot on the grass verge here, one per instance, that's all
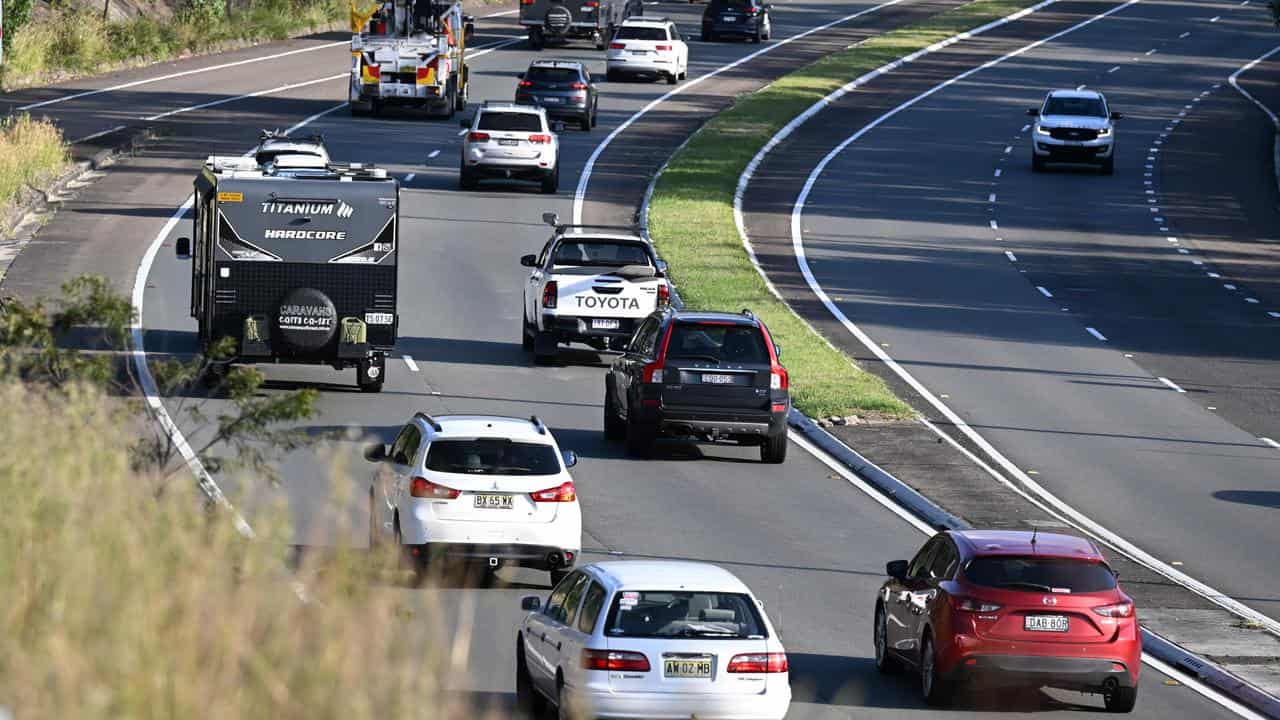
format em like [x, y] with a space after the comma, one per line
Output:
[76, 43]
[31, 152]
[691, 213]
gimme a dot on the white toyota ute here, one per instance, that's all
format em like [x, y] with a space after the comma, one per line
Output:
[591, 284]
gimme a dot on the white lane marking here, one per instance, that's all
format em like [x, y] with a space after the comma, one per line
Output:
[1080, 520]
[500, 14]
[1215, 18]
[1235, 77]
[1213, 275]
[580, 193]
[1171, 384]
[1008, 149]
[1197, 262]
[1200, 688]
[1094, 332]
[1152, 51]
[1229, 286]
[1274, 314]
[1184, 251]
[1044, 291]
[991, 198]
[1251, 301]
[1270, 442]
[150, 392]
[998, 171]
[170, 76]
[1114, 69]
[995, 225]
[1184, 35]
[433, 154]
[1011, 256]
[408, 360]
[1026, 127]
[256, 93]
[97, 135]
[409, 178]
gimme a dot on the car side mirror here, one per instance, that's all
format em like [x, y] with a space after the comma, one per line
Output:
[551, 218]
[777, 350]
[570, 458]
[183, 248]
[529, 260]
[662, 266]
[1033, 112]
[376, 452]
[896, 569]
[1117, 116]
[531, 603]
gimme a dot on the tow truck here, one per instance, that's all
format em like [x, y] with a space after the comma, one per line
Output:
[411, 53]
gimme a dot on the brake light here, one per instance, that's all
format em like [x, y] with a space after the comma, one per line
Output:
[617, 46]
[615, 660]
[424, 488]
[527, 2]
[579, 86]
[525, 83]
[662, 47]
[565, 492]
[551, 294]
[664, 295]
[752, 11]
[539, 139]
[778, 379]
[1118, 610]
[759, 663]
[973, 605]
[477, 137]
[653, 372]
[591, 4]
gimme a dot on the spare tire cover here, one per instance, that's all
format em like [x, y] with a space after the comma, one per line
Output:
[306, 319]
[558, 19]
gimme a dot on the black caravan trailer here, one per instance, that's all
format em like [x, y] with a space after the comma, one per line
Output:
[296, 261]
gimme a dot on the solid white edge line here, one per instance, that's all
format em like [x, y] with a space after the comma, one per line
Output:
[97, 135]
[580, 193]
[1270, 442]
[409, 178]
[1063, 510]
[1044, 291]
[1171, 384]
[408, 360]
[921, 526]
[1009, 254]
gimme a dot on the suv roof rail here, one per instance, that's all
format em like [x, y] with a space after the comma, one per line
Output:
[430, 421]
[538, 424]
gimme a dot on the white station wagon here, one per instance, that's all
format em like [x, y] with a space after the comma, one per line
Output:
[651, 639]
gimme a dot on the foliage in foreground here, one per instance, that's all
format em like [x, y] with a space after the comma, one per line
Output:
[31, 151]
[691, 215]
[120, 605]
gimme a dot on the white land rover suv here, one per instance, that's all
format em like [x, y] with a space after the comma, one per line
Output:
[510, 141]
[1074, 126]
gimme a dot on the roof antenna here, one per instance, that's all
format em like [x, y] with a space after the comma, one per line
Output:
[1035, 528]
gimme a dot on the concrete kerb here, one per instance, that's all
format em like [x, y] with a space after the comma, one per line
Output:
[1234, 80]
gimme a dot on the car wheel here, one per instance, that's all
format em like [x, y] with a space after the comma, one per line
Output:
[563, 711]
[614, 427]
[545, 348]
[1120, 700]
[528, 702]
[933, 687]
[1037, 163]
[672, 78]
[756, 37]
[885, 663]
[595, 114]
[611, 76]
[466, 180]
[774, 449]
[640, 436]
[551, 182]
[704, 36]
[526, 333]
[1109, 165]
[585, 122]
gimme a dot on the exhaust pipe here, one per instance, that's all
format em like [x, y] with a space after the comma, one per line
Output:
[555, 560]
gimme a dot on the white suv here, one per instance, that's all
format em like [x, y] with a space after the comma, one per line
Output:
[1074, 126]
[647, 46]
[510, 141]
[494, 489]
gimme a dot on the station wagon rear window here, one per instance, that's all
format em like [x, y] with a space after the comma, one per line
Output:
[639, 32]
[492, 456]
[1040, 574]
[552, 75]
[738, 344]
[601, 253]
[681, 614]
[510, 121]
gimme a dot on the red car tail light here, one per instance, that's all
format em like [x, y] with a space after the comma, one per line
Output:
[653, 372]
[664, 295]
[525, 83]
[1117, 610]
[564, 492]
[527, 2]
[617, 46]
[973, 605]
[621, 660]
[539, 139]
[591, 4]
[752, 11]
[477, 137]
[661, 48]
[551, 294]
[423, 488]
[578, 86]
[759, 663]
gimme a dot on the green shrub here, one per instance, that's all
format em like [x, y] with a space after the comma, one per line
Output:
[30, 151]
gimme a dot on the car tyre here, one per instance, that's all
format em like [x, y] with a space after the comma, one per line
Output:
[756, 37]
[536, 40]
[673, 78]
[595, 114]
[545, 348]
[885, 663]
[774, 449]
[611, 76]
[615, 428]
[1120, 700]
[551, 182]
[526, 334]
[1037, 163]
[640, 436]
[705, 36]
[585, 122]
[1109, 165]
[529, 703]
[466, 180]
[933, 687]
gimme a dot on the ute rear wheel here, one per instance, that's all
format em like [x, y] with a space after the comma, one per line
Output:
[615, 428]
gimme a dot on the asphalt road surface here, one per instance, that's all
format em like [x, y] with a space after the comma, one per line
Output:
[811, 545]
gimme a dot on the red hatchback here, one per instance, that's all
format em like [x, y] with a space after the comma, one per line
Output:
[1009, 608]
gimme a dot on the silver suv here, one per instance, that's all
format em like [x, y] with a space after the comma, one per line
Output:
[1075, 126]
[509, 141]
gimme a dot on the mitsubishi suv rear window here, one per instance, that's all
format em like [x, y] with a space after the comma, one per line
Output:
[510, 122]
[679, 614]
[492, 456]
[738, 344]
[1040, 574]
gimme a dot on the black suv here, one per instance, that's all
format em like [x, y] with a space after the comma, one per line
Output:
[737, 18]
[713, 376]
[563, 88]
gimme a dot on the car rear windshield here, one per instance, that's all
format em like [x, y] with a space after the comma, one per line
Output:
[1039, 574]
[1091, 107]
[552, 75]
[492, 456]
[602, 253]
[510, 121]
[741, 344]
[718, 5]
[639, 32]
[680, 614]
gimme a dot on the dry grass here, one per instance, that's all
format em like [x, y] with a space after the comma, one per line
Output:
[117, 604]
[31, 151]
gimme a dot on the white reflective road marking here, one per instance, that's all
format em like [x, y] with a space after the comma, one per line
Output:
[1044, 291]
[408, 360]
[1171, 384]
[1094, 332]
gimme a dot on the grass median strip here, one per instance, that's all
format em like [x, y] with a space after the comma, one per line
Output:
[691, 213]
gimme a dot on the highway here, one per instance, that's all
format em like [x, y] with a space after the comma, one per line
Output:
[809, 543]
